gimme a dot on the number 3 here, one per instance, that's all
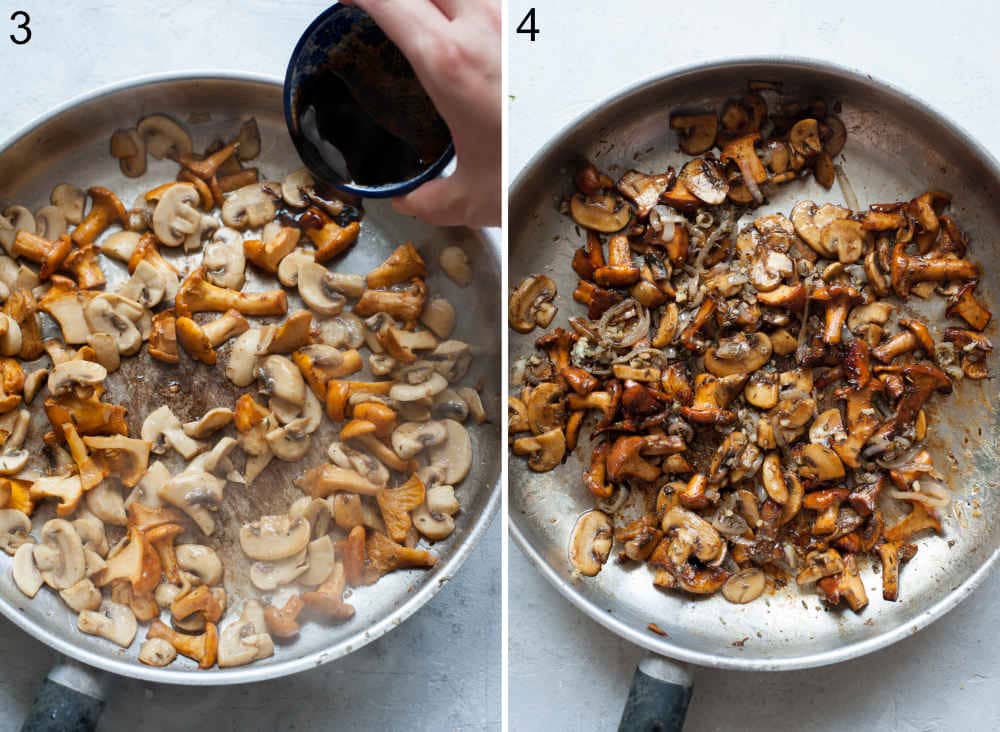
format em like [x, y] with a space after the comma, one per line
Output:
[25, 19]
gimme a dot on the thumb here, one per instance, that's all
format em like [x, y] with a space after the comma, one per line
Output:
[439, 202]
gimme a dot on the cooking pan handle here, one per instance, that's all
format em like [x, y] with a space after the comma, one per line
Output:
[71, 700]
[658, 699]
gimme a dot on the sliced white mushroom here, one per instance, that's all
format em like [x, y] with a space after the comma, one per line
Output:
[250, 207]
[224, 259]
[288, 268]
[163, 429]
[274, 537]
[215, 461]
[158, 652]
[105, 350]
[71, 201]
[91, 532]
[14, 529]
[281, 379]
[113, 314]
[297, 187]
[147, 490]
[120, 245]
[50, 222]
[455, 263]
[59, 555]
[270, 576]
[316, 287]
[16, 424]
[411, 438]
[346, 330]
[164, 137]
[10, 336]
[317, 511]
[211, 422]
[321, 561]
[290, 442]
[105, 501]
[147, 285]
[176, 218]
[433, 526]
[196, 493]
[70, 375]
[26, 575]
[246, 639]
[114, 621]
[453, 458]
[367, 466]
[82, 596]
[67, 309]
[243, 356]
[201, 561]
[439, 316]
[13, 462]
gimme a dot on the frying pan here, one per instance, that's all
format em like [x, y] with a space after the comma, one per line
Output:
[71, 144]
[896, 148]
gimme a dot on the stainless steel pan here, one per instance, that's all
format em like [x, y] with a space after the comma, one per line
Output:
[71, 144]
[897, 147]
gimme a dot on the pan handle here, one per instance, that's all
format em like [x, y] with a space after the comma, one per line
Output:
[659, 697]
[71, 700]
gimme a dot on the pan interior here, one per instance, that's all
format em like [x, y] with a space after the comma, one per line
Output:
[73, 146]
[895, 150]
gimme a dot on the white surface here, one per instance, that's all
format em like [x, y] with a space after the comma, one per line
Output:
[440, 669]
[568, 673]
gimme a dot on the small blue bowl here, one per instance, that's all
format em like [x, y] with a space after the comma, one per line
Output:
[328, 37]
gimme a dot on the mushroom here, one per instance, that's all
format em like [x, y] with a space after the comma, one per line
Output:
[176, 218]
[324, 480]
[113, 621]
[246, 639]
[15, 219]
[317, 287]
[211, 422]
[49, 254]
[59, 556]
[321, 562]
[847, 585]
[546, 450]
[223, 259]
[201, 341]
[705, 178]
[197, 493]
[82, 596]
[196, 295]
[907, 270]
[14, 529]
[455, 263]
[839, 299]
[162, 429]
[915, 337]
[113, 314]
[811, 220]
[291, 442]
[699, 131]
[740, 354]
[845, 239]
[24, 571]
[411, 438]
[288, 268]
[70, 200]
[105, 209]
[964, 304]
[297, 188]
[201, 648]
[590, 544]
[164, 137]
[745, 586]
[67, 488]
[401, 302]
[452, 458]
[71, 375]
[250, 207]
[157, 652]
[328, 236]
[605, 213]
[531, 303]
[129, 149]
[268, 253]
[10, 339]
[50, 222]
[274, 537]
[280, 379]
[804, 138]
[690, 534]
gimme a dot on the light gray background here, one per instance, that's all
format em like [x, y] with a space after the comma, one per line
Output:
[441, 669]
[568, 673]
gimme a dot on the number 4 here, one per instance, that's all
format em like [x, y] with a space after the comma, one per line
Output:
[528, 25]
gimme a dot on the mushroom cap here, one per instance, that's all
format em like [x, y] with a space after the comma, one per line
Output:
[24, 571]
[164, 137]
[14, 529]
[740, 354]
[411, 438]
[201, 561]
[315, 287]
[605, 213]
[453, 457]
[246, 639]
[71, 200]
[250, 207]
[194, 340]
[114, 621]
[590, 544]
[68, 375]
[176, 218]
[274, 537]
[281, 379]
[59, 556]
[525, 301]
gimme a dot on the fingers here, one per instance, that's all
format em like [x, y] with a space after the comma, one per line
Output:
[439, 202]
[448, 7]
[406, 21]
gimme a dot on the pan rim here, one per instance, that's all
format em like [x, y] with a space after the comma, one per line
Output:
[364, 636]
[645, 639]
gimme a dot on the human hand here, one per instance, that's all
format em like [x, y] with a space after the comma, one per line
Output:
[454, 48]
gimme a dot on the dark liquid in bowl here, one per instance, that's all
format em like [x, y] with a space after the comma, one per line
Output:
[377, 142]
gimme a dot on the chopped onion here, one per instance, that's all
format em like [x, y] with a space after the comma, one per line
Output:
[617, 334]
[932, 493]
[615, 501]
